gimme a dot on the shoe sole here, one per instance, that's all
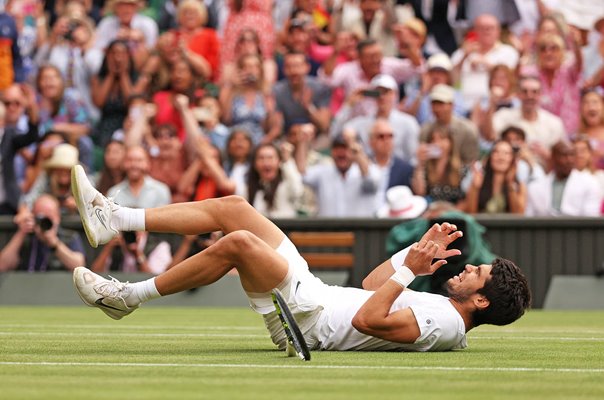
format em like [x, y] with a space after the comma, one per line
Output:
[77, 194]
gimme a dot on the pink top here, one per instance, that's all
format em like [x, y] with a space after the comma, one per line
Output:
[563, 97]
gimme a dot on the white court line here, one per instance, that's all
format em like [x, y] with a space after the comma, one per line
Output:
[115, 333]
[131, 327]
[300, 366]
[121, 334]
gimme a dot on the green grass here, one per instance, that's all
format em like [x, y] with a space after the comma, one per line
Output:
[208, 353]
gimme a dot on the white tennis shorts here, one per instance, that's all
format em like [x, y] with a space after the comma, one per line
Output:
[304, 293]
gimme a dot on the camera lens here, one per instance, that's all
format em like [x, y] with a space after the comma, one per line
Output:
[44, 222]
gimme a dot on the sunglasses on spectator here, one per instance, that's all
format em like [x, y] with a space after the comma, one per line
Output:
[384, 135]
[548, 47]
[164, 135]
[529, 91]
[9, 103]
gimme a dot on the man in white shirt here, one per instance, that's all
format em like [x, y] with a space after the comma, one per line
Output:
[475, 58]
[542, 128]
[348, 187]
[382, 316]
[565, 190]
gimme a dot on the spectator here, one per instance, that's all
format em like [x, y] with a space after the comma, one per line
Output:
[404, 127]
[62, 110]
[560, 79]
[112, 172]
[11, 63]
[528, 167]
[543, 129]
[126, 23]
[369, 19]
[247, 104]
[438, 18]
[301, 98]
[69, 50]
[394, 170]
[564, 191]
[248, 14]
[411, 37]
[183, 80]
[439, 171]
[496, 189]
[248, 44]
[198, 44]
[168, 160]
[139, 190]
[43, 152]
[357, 74]
[56, 178]
[41, 244]
[112, 88]
[132, 252]
[239, 149]
[478, 54]
[11, 141]
[584, 159]
[346, 188]
[463, 132]
[418, 103]
[274, 185]
[502, 88]
[208, 113]
[344, 50]
[591, 123]
[299, 39]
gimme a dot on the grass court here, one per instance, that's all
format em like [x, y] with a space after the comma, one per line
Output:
[225, 353]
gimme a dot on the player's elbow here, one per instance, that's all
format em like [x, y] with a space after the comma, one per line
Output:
[360, 323]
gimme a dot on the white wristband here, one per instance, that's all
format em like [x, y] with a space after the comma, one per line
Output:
[404, 276]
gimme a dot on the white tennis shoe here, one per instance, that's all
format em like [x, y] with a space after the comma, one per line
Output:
[95, 209]
[108, 295]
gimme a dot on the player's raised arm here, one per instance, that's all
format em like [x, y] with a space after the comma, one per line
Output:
[443, 235]
[374, 317]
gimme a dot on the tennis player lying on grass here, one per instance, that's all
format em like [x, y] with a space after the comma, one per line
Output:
[382, 316]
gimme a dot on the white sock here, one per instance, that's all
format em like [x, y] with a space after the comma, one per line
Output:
[142, 291]
[129, 219]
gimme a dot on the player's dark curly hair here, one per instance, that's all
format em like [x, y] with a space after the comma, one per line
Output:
[508, 293]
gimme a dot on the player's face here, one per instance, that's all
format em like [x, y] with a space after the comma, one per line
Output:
[469, 281]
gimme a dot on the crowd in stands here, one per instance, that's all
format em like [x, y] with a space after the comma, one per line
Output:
[304, 107]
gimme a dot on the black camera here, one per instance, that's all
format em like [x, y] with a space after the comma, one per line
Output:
[73, 25]
[44, 223]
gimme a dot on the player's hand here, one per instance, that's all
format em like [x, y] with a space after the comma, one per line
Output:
[420, 256]
[443, 235]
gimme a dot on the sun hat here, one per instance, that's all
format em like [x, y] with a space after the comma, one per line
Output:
[64, 155]
[402, 203]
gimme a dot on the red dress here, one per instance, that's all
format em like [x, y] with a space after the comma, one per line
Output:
[255, 15]
[205, 43]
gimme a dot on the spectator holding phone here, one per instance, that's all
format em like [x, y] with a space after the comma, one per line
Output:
[463, 132]
[496, 189]
[439, 171]
[40, 243]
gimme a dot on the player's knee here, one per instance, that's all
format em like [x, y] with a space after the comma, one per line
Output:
[233, 202]
[240, 242]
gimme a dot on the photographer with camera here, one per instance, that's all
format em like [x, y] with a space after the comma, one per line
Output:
[41, 244]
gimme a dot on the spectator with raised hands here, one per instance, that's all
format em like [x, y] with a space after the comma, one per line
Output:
[560, 78]
[247, 102]
[440, 171]
[198, 44]
[126, 23]
[62, 110]
[112, 88]
[494, 186]
[69, 48]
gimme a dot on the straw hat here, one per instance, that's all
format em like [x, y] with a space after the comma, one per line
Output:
[64, 155]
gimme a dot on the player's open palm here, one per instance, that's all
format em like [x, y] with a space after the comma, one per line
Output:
[443, 235]
[420, 256]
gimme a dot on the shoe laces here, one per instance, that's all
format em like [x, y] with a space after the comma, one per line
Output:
[113, 289]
